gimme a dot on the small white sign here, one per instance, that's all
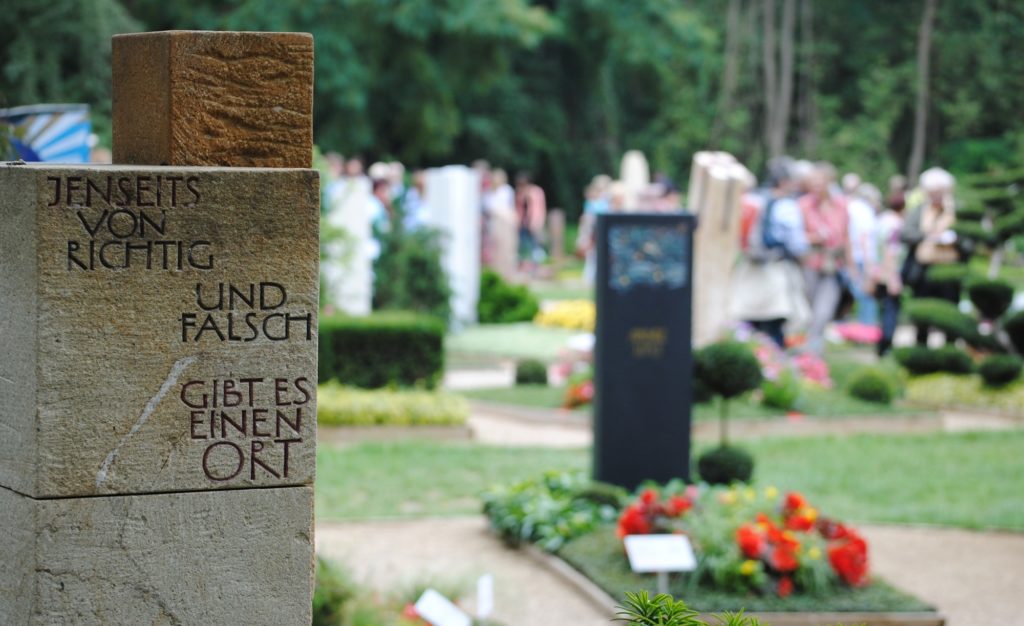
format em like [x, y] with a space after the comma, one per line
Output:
[660, 553]
[484, 596]
[439, 610]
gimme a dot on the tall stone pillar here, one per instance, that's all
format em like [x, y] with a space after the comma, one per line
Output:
[157, 443]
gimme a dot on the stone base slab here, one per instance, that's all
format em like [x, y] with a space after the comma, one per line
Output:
[213, 557]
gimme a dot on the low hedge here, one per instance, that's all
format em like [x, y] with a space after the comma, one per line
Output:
[531, 372]
[380, 350]
[348, 406]
[919, 360]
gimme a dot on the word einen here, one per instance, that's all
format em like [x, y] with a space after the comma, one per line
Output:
[244, 313]
[249, 423]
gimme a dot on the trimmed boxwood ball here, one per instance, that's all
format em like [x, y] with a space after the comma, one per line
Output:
[728, 368]
[919, 360]
[531, 372]
[991, 298]
[872, 385]
[724, 465]
[1014, 328]
[1000, 369]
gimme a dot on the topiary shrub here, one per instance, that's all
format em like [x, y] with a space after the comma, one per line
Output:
[919, 360]
[383, 349]
[531, 372]
[949, 274]
[728, 369]
[781, 393]
[1000, 370]
[943, 315]
[1014, 328]
[872, 385]
[503, 303]
[724, 465]
[991, 298]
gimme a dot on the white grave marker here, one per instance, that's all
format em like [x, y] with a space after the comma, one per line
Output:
[439, 610]
[660, 554]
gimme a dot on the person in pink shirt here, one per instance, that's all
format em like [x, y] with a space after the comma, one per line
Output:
[827, 224]
[531, 212]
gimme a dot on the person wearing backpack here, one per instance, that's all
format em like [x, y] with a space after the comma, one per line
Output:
[767, 287]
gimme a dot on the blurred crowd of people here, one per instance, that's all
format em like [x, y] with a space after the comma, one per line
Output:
[814, 245]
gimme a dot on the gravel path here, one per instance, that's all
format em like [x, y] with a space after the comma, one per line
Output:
[974, 578]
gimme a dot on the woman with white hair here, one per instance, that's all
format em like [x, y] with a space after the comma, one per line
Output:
[928, 233]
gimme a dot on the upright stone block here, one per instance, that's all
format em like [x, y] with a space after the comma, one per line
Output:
[209, 98]
[159, 327]
[642, 353]
[453, 201]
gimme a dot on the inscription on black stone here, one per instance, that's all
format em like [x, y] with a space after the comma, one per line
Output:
[642, 351]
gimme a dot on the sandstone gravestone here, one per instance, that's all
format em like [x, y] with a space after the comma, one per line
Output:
[349, 252]
[205, 98]
[642, 355]
[159, 393]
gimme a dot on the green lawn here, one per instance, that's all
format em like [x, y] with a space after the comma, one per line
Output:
[415, 479]
[972, 480]
[533, 396]
[562, 291]
[517, 341]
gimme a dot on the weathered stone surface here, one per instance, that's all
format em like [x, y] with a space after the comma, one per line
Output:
[113, 364]
[213, 98]
[226, 557]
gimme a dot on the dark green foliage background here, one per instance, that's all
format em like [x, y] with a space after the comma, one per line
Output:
[563, 87]
[382, 350]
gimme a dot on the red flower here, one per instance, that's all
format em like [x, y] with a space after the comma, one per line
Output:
[850, 560]
[677, 505]
[649, 496]
[750, 541]
[832, 530]
[784, 559]
[785, 586]
[633, 522]
[799, 522]
[794, 501]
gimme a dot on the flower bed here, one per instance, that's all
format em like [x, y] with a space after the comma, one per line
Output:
[760, 550]
[573, 314]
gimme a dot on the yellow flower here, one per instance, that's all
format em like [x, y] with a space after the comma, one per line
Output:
[811, 513]
[749, 494]
[748, 567]
[771, 493]
[729, 497]
[814, 553]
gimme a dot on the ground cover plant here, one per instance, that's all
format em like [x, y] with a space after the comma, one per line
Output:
[348, 406]
[966, 392]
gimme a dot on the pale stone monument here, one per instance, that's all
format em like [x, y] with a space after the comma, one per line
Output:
[717, 183]
[452, 198]
[348, 256]
[157, 442]
[635, 175]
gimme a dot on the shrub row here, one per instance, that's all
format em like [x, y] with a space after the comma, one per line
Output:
[383, 349]
[347, 406]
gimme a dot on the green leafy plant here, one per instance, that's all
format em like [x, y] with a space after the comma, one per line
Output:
[408, 275]
[919, 360]
[348, 406]
[504, 303]
[640, 609]
[991, 298]
[333, 592]
[384, 349]
[552, 509]
[781, 393]
[1000, 370]
[872, 385]
[531, 372]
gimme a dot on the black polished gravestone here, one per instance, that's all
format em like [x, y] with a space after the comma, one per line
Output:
[642, 351]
